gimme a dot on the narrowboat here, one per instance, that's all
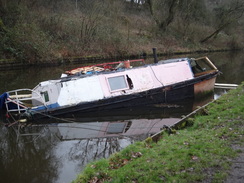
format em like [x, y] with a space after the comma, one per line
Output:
[113, 85]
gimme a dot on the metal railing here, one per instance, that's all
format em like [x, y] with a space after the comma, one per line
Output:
[19, 96]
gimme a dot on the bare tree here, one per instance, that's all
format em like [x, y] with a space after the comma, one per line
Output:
[163, 12]
[226, 15]
[90, 20]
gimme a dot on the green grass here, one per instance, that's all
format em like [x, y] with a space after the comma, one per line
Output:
[194, 154]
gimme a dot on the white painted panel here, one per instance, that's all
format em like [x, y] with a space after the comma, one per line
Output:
[173, 72]
[80, 90]
[141, 78]
[52, 88]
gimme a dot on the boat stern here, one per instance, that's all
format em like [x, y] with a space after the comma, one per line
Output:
[205, 73]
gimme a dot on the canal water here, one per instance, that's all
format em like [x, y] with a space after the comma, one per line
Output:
[58, 150]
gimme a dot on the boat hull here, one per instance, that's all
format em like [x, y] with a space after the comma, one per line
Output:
[172, 94]
[204, 87]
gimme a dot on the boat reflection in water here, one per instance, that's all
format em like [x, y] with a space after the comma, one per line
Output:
[57, 152]
[130, 128]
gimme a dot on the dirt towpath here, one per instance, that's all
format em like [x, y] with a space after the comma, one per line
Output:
[236, 173]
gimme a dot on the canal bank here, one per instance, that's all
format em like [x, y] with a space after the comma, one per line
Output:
[205, 151]
[14, 64]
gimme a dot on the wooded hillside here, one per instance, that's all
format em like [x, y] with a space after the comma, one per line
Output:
[42, 30]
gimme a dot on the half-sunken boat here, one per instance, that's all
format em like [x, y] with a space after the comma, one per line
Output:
[114, 85]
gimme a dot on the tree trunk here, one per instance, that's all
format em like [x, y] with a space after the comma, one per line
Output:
[163, 24]
[215, 33]
[171, 15]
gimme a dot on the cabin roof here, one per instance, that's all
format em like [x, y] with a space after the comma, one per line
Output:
[173, 60]
[80, 75]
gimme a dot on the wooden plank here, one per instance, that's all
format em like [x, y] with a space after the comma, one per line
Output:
[21, 96]
[226, 85]
[178, 123]
[209, 61]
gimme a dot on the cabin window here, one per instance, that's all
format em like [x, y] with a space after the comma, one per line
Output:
[118, 83]
[45, 96]
[197, 67]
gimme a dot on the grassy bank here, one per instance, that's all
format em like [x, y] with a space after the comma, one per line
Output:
[200, 152]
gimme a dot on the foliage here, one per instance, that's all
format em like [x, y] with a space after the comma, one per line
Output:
[38, 31]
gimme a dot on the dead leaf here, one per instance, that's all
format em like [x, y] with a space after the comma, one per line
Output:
[194, 158]
[186, 143]
[93, 166]
[136, 155]
[125, 161]
[94, 180]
